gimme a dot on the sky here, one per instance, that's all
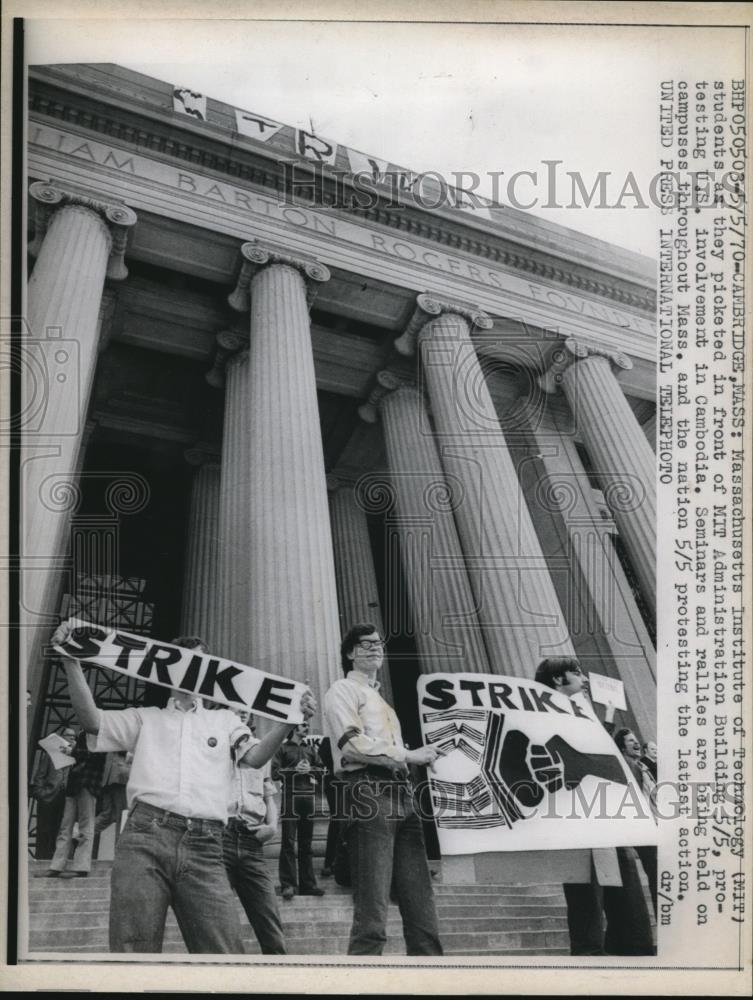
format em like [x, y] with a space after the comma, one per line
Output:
[482, 98]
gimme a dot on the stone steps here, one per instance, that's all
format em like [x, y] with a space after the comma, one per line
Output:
[70, 916]
[454, 942]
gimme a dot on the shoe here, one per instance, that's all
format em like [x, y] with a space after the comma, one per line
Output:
[326, 872]
[50, 873]
[311, 892]
[288, 892]
[74, 874]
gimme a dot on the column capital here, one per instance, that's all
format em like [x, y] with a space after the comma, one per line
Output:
[430, 307]
[202, 453]
[51, 196]
[570, 352]
[256, 256]
[229, 343]
[387, 381]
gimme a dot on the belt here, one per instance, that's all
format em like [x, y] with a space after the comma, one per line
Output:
[167, 818]
[236, 825]
[377, 773]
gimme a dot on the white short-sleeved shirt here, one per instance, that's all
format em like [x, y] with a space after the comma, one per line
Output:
[182, 760]
[252, 786]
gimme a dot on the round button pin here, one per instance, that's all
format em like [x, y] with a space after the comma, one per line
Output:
[212, 741]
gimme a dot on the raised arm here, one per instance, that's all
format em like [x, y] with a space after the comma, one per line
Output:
[265, 749]
[82, 699]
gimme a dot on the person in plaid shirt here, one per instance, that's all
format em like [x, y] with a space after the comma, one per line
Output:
[82, 788]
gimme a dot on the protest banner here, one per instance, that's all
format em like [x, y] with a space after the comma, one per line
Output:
[522, 767]
[223, 681]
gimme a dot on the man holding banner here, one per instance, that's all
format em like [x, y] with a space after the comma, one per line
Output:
[628, 927]
[170, 852]
[383, 831]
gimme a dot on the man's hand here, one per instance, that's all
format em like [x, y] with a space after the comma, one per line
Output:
[63, 633]
[422, 755]
[308, 703]
[265, 832]
[303, 765]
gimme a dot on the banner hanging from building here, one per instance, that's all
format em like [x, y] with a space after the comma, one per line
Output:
[255, 126]
[523, 767]
[314, 147]
[190, 102]
[219, 680]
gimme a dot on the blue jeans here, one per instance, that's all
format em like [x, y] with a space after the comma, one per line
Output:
[79, 809]
[244, 863]
[386, 849]
[162, 860]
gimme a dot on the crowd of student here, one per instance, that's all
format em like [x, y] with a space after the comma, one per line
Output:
[203, 795]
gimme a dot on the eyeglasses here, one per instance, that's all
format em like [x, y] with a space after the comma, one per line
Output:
[369, 644]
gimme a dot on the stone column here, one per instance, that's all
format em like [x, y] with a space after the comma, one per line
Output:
[441, 603]
[201, 590]
[235, 511]
[357, 591]
[620, 452]
[575, 529]
[518, 610]
[284, 599]
[649, 429]
[79, 242]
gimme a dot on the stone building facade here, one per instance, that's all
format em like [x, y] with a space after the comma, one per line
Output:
[264, 412]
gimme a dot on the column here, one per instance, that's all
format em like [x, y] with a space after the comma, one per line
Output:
[357, 591]
[441, 603]
[281, 535]
[620, 452]
[80, 241]
[201, 590]
[518, 610]
[235, 510]
[649, 429]
[575, 529]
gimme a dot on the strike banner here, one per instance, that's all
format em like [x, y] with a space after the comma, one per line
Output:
[522, 767]
[223, 681]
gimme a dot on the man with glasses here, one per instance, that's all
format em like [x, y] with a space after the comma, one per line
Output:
[383, 831]
[296, 764]
[252, 822]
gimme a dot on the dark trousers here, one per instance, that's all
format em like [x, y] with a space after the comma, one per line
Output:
[244, 862]
[585, 917]
[648, 855]
[336, 823]
[296, 821]
[386, 848]
[49, 816]
[628, 920]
